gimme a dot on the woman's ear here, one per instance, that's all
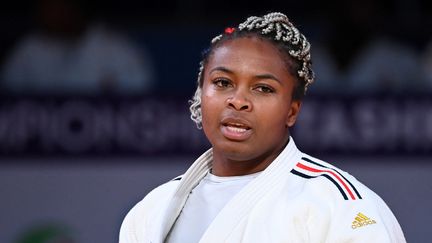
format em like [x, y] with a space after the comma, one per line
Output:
[293, 112]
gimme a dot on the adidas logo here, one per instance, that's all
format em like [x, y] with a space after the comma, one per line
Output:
[361, 220]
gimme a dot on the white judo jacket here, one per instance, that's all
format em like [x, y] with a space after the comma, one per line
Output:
[296, 199]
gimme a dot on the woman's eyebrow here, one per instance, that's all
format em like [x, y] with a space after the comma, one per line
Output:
[268, 76]
[259, 76]
[221, 68]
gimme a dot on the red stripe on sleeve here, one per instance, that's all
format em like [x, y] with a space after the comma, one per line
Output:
[305, 167]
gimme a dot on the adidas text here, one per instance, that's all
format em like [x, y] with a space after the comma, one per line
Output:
[362, 220]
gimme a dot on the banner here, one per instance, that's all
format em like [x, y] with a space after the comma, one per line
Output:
[55, 126]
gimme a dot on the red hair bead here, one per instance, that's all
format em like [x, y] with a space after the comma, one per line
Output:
[229, 30]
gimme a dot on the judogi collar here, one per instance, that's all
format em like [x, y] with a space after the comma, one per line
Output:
[236, 209]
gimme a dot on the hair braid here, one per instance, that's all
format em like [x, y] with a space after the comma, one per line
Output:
[195, 103]
[276, 27]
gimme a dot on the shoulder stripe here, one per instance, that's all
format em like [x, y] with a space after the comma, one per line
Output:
[314, 169]
[301, 174]
[323, 172]
[352, 186]
[337, 185]
[296, 172]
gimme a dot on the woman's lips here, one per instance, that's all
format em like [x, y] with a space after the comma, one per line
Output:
[236, 130]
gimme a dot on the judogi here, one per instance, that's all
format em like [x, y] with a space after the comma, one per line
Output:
[296, 199]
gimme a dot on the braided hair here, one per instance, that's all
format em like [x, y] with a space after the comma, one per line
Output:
[276, 28]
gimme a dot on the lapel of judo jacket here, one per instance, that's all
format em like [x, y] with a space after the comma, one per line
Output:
[237, 208]
[244, 202]
[189, 180]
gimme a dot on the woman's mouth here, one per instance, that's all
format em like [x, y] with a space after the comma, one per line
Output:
[236, 130]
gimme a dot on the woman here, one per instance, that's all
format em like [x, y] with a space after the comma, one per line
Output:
[254, 185]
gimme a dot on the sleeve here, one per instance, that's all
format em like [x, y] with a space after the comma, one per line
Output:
[365, 220]
[128, 233]
[140, 220]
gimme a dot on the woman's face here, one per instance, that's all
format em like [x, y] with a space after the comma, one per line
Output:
[247, 105]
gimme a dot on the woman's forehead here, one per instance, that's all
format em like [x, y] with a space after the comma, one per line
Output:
[250, 51]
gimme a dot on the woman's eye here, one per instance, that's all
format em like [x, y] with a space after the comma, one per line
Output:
[222, 83]
[265, 89]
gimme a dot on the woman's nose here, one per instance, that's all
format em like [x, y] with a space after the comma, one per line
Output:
[239, 101]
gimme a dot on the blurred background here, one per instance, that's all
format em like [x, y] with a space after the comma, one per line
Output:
[94, 104]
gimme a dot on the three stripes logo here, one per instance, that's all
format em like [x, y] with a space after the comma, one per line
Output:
[361, 220]
[311, 169]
